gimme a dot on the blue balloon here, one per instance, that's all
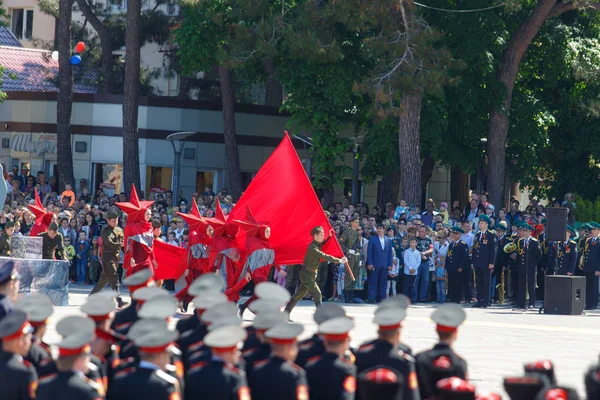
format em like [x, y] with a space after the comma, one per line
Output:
[75, 60]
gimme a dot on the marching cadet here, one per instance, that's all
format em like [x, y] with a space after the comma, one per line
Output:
[501, 262]
[528, 257]
[544, 367]
[126, 316]
[38, 308]
[441, 361]
[332, 376]
[9, 287]
[559, 393]
[138, 298]
[385, 352]
[203, 286]
[566, 254]
[262, 323]
[484, 253]
[70, 382]
[395, 302]
[148, 379]
[18, 379]
[220, 378]
[591, 266]
[258, 306]
[380, 383]
[455, 388]
[308, 273]
[350, 242]
[457, 264]
[314, 346]
[278, 377]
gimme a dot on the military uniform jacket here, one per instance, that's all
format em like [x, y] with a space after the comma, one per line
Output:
[331, 378]
[251, 341]
[484, 249]
[436, 364]
[94, 372]
[6, 306]
[18, 380]
[380, 352]
[112, 240]
[308, 349]
[279, 379]
[502, 258]
[144, 383]
[591, 255]
[187, 324]
[350, 241]
[39, 354]
[313, 257]
[4, 246]
[125, 318]
[255, 356]
[69, 385]
[566, 255]
[52, 248]
[216, 380]
[530, 255]
[457, 256]
[190, 342]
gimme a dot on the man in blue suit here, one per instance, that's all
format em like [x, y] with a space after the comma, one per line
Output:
[379, 262]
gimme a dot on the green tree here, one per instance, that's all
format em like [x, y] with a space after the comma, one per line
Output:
[3, 19]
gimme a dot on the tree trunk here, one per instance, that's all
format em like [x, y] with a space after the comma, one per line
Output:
[274, 90]
[498, 126]
[390, 186]
[327, 197]
[131, 154]
[426, 172]
[459, 185]
[64, 155]
[229, 132]
[409, 148]
[105, 44]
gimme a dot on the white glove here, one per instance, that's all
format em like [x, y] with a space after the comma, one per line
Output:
[351, 252]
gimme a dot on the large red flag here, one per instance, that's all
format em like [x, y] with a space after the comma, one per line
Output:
[171, 260]
[282, 194]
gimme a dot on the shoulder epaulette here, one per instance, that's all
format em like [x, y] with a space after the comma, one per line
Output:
[175, 351]
[233, 368]
[124, 372]
[248, 352]
[572, 241]
[366, 347]
[94, 384]
[26, 363]
[47, 378]
[170, 368]
[406, 356]
[261, 363]
[295, 366]
[122, 325]
[312, 360]
[45, 362]
[192, 347]
[166, 377]
[534, 239]
[198, 365]
[306, 346]
[92, 367]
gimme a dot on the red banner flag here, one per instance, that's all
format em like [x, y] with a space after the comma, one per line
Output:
[282, 194]
[171, 260]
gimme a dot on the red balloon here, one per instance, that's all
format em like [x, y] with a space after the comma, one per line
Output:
[79, 47]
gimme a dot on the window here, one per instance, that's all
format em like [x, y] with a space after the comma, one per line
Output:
[158, 179]
[204, 179]
[348, 189]
[108, 178]
[22, 23]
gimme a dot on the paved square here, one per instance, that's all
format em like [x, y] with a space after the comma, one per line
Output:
[495, 342]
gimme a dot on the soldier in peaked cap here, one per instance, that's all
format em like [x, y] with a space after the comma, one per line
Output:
[525, 387]
[396, 302]
[38, 308]
[502, 261]
[18, 379]
[457, 265]
[441, 361]
[380, 383]
[9, 287]
[590, 265]
[138, 298]
[332, 375]
[567, 254]
[70, 382]
[455, 388]
[314, 346]
[529, 254]
[484, 254]
[278, 377]
[384, 351]
[148, 380]
[220, 378]
[262, 323]
[204, 288]
[258, 306]
[126, 316]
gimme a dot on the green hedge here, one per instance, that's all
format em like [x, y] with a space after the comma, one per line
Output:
[587, 210]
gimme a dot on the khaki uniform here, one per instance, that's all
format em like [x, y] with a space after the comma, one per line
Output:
[4, 246]
[350, 242]
[308, 275]
[112, 242]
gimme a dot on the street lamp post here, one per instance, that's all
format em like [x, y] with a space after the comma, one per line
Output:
[177, 140]
[355, 167]
[307, 141]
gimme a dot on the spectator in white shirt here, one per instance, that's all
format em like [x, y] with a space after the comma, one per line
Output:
[412, 262]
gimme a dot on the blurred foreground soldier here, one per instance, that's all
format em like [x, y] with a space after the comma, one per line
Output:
[112, 243]
[331, 376]
[38, 308]
[591, 266]
[262, 323]
[455, 389]
[558, 393]
[278, 377]
[310, 266]
[489, 396]
[544, 367]
[72, 363]
[18, 380]
[52, 244]
[148, 380]
[525, 387]
[385, 352]
[219, 378]
[442, 362]
[9, 287]
[380, 384]
[314, 346]
[126, 316]
[400, 301]
[592, 382]
[204, 286]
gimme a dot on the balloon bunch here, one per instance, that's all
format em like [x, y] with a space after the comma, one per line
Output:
[76, 58]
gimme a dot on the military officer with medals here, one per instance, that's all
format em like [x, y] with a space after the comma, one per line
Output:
[566, 254]
[528, 257]
[584, 233]
[484, 253]
[350, 242]
[590, 265]
[502, 261]
[457, 264]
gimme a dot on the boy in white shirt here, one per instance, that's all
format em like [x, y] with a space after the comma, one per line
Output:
[412, 262]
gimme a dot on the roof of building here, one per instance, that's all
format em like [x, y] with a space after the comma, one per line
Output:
[7, 38]
[32, 70]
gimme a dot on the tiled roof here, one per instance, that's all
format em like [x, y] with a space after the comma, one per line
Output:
[7, 38]
[30, 70]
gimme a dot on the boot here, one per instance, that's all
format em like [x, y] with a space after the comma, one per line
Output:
[241, 309]
[350, 296]
[121, 303]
